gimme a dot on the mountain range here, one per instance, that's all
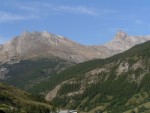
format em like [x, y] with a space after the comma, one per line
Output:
[113, 77]
[35, 44]
[35, 56]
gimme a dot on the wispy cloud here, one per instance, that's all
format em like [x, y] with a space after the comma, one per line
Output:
[34, 10]
[77, 10]
[7, 16]
[42, 7]
[39, 7]
[33, 7]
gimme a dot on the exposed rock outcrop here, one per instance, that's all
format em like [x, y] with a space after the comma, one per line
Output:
[35, 44]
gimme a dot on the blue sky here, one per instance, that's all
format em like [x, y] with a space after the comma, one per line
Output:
[90, 22]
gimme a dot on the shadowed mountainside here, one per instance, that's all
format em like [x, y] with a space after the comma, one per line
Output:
[117, 84]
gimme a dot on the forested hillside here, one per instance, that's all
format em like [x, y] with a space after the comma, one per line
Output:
[116, 84]
[13, 100]
[26, 73]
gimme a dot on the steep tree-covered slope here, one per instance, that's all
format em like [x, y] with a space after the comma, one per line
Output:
[13, 100]
[27, 73]
[114, 85]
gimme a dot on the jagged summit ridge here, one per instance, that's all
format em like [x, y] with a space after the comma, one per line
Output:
[43, 37]
[123, 41]
[34, 44]
[121, 35]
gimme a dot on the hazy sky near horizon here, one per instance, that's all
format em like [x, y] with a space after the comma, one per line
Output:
[89, 22]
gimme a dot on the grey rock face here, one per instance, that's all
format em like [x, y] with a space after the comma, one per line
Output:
[35, 44]
[30, 45]
[123, 41]
[3, 71]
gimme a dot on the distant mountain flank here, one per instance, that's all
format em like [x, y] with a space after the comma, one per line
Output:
[118, 84]
[33, 57]
[36, 44]
[123, 41]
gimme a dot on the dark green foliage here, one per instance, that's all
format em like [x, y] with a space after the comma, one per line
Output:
[145, 84]
[2, 111]
[139, 51]
[13, 100]
[120, 89]
[117, 89]
[37, 109]
[67, 88]
[27, 73]
[142, 109]
[60, 102]
[69, 73]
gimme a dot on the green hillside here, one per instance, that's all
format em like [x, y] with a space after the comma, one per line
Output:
[13, 100]
[114, 85]
[27, 73]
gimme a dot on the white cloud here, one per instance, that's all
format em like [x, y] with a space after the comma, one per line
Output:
[34, 10]
[77, 10]
[38, 7]
[30, 7]
[6, 16]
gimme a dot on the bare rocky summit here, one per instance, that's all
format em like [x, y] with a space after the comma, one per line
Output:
[123, 41]
[36, 44]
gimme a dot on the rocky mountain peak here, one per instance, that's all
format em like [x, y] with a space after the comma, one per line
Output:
[25, 33]
[34, 44]
[122, 41]
[45, 38]
[121, 35]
